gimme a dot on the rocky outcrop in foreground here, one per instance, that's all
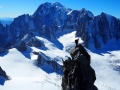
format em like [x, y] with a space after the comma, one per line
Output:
[3, 76]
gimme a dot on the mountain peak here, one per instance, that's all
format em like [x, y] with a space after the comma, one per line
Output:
[103, 13]
[48, 4]
[57, 4]
[106, 15]
[84, 11]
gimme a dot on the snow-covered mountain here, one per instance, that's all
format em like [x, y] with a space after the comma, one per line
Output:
[51, 18]
[27, 75]
[100, 30]
[32, 46]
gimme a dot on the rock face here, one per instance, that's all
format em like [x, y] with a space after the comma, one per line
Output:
[2, 50]
[50, 18]
[101, 30]
[3, 74]
[22, 46]
[44, 61]
[77, 69]
[3, 35]
[35, 42]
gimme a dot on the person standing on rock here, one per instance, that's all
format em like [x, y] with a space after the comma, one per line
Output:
[76, 41]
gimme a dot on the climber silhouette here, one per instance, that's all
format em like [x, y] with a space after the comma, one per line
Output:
[76, 41]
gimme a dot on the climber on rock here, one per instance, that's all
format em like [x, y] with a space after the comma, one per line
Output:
[76, 41]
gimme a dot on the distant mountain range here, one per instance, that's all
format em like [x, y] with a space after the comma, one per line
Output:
[50, 18]
[6, 20]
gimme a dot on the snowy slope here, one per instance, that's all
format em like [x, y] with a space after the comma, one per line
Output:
[27, 76]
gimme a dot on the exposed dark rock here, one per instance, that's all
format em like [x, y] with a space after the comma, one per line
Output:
[3, 35]
[35, 42]
[22, 46]
[101, 29]
[96, 43]
[77, 69]
[36, 53]
[3, 74]
[2, 50]
[43, 60]
[115, 64]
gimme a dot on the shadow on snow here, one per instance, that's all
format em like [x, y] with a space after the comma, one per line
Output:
[106, 49]
[27, 53]
[49, 69]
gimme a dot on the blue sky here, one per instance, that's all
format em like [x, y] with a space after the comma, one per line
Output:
[14, 8]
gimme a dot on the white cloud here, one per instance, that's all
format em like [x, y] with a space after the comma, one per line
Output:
[0, 6]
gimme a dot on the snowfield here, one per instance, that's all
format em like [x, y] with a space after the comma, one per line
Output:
[25, 75]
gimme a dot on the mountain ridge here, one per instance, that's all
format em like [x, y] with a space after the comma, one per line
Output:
[50, 18]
